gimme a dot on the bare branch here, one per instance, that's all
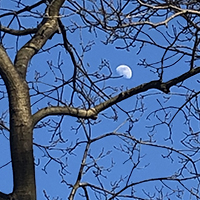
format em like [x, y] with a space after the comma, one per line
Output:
[45, 31]
[57, 110]
[18, 32]
[93, 112]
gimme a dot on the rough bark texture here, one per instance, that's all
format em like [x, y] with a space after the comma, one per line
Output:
[21, 143]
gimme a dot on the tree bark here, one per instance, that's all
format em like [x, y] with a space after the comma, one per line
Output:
[21, 136]
[21, 129]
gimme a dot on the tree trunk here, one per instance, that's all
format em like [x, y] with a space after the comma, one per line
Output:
[21, 143]
[21, 130]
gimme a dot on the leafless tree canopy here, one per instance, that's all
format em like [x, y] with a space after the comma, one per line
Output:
[62, 104]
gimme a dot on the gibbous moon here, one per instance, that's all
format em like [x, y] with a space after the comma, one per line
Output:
[124, 71]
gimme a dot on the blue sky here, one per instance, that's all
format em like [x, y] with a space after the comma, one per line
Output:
[152, 164]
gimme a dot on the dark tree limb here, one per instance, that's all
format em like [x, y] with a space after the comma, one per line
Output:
[26, 8]
[93, 112]
[46, 29]
[18, 32]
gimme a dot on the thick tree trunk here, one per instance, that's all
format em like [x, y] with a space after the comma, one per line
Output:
[21, 136]
[21, 128]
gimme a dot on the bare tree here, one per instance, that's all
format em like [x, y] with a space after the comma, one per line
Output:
[154, 152]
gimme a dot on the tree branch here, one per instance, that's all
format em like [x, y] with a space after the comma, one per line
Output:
[25, 9]
[7, 70]
[58, 110]
[46, 29]
[93, 112]
[167, 178]
[18, 32]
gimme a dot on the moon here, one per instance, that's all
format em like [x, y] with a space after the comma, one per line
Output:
[125, 71]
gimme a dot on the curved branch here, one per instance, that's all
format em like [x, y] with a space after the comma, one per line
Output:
[7, 70]
[18, 32]
[167, 178]
[58, 110]
[153, 24]
[46, 30]
[93, 112]
[26, 8]
[162, 86]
